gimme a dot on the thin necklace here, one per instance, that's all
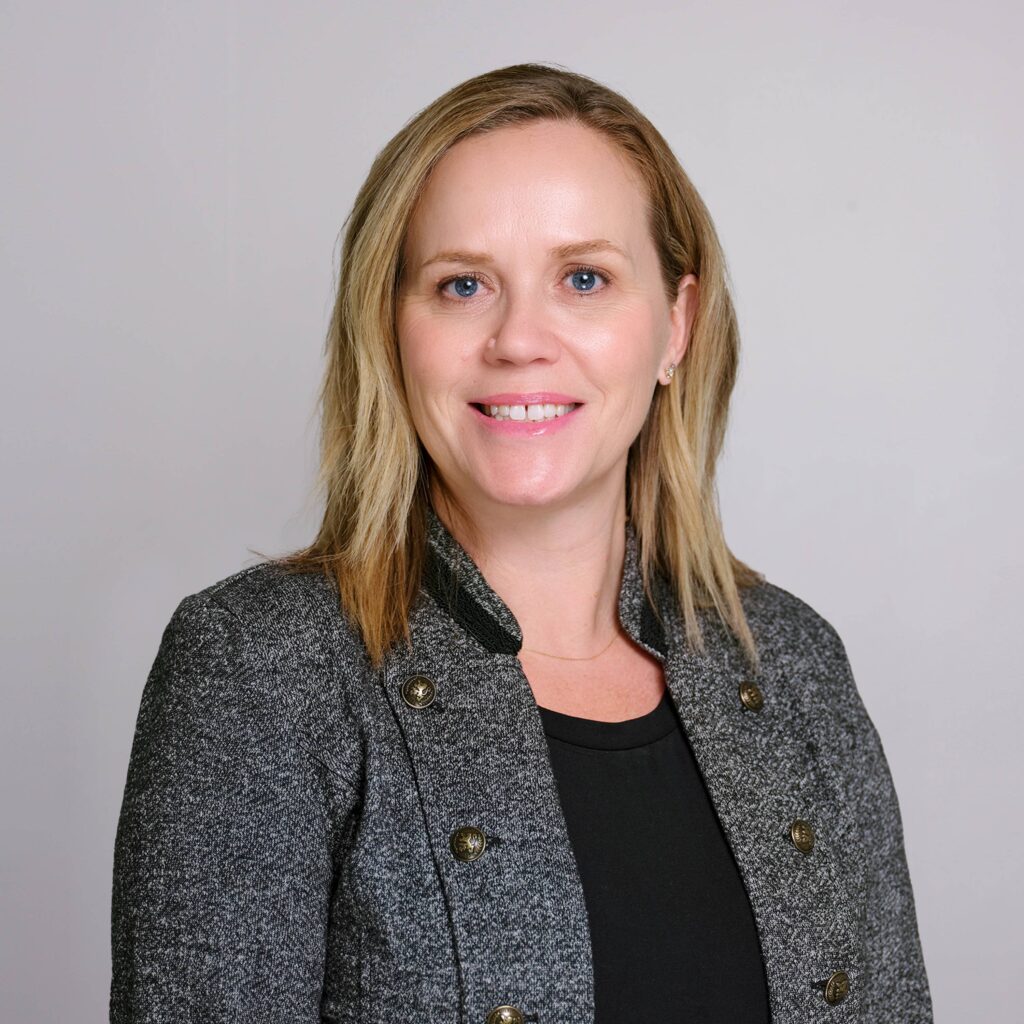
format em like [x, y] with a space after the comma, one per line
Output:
[562, 657]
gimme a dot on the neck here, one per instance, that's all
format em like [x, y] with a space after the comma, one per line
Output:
[559, 570]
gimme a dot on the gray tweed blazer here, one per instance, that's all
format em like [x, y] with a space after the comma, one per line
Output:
[284, 850]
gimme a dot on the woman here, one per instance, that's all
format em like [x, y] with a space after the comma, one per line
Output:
[517, 738]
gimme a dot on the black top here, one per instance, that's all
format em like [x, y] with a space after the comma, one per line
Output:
[672, 931]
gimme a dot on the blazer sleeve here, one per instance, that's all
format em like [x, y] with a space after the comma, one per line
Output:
[850, 750]
[223, 854]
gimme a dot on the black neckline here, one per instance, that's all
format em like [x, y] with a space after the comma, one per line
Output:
[596, 735]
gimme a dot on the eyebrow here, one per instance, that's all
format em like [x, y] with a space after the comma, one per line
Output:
[564, 252]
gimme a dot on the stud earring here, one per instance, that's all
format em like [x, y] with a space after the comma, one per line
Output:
[670, 371]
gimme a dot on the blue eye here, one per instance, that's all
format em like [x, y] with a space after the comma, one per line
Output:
[585, 279]
[465, 286]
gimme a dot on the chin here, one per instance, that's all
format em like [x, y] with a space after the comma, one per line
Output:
[528, 496]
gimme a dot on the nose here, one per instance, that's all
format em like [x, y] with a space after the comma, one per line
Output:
[525, 331]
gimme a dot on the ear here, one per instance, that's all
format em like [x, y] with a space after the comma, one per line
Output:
[682, 314]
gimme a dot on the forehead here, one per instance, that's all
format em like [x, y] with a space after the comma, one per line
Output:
[545, 181]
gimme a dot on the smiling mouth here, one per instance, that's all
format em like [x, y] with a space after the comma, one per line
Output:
[526, 413]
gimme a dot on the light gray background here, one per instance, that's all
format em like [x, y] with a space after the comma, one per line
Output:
[174, 177]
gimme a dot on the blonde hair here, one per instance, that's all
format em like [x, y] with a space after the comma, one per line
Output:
[375, 474]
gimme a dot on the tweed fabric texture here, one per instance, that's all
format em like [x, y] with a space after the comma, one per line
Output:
[283, 847]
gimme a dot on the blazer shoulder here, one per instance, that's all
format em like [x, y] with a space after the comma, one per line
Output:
[791, 626]
[267, 592]
[285, 609]
[807, 650]
[309, 656]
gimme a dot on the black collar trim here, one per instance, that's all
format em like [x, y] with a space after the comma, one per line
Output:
[652, 632]
[442, 583]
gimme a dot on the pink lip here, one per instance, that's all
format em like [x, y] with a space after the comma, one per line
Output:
[525, 428]
[530, 398]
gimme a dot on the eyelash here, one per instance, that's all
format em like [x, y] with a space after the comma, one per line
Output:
[473, 276]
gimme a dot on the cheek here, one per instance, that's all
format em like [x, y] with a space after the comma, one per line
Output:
[421, 351]
[430, 370]
[633, 349]
[411, 335]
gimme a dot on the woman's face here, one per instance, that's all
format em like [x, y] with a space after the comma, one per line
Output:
[531, 280]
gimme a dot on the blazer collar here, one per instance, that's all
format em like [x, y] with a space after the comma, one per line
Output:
[456, 583]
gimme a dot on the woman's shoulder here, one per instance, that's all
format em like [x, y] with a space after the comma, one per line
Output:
[267, 591]
[781, 619]
[805, 652]
[282, 610]
[276, 638]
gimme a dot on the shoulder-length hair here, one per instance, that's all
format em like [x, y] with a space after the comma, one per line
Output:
[375, 474]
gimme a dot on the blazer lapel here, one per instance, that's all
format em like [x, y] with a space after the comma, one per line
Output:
[480, 760]
[760, 779]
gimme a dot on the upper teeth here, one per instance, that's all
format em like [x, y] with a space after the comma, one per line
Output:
[527, 412]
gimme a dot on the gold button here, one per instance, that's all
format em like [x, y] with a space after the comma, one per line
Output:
[802, 835]
[418, 691]
[468, 843]
[751, 696]
[837, 988]
[505, 1015]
